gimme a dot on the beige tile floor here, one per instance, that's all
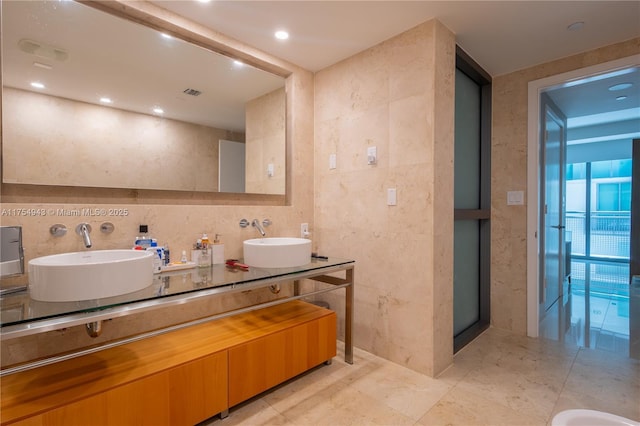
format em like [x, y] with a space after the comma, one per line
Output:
[498, 379]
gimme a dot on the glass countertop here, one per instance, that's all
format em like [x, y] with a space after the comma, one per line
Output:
[20, 309]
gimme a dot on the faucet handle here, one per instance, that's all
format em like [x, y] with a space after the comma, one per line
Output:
[107, 228]
[80, 230]
[266, 222]
[58, 230]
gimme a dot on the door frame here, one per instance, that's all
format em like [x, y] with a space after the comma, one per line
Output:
[535, 89]
[474, 71]
[634, 255]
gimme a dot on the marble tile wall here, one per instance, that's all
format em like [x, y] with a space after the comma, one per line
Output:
[509, 172]
[265, 134]
[398, 97]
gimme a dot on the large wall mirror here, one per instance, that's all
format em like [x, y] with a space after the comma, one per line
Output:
[93, 100]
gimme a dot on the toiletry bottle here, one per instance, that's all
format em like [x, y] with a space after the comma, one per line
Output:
[143, 231]
[143, 240]
[217, 251]
[158, 258]
[204, 257]
[167, 255]
[183, 259]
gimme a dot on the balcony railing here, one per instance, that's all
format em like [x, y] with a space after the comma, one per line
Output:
[606, 266]
[609, 234]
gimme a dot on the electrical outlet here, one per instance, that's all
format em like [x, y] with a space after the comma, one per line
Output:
[304, 230]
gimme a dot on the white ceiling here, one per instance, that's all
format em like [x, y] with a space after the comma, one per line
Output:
[502, 36]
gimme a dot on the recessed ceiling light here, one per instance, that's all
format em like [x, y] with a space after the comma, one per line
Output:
[106, 100]
[158, 110]
[238, 63]
[621, 86]
[282, 35]
[621, 98]
[204, 1]
[37, 85]
[576, 26]
[167, 36]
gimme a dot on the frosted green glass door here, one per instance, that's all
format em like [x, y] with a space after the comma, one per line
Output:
[466, 275]
[472, 207]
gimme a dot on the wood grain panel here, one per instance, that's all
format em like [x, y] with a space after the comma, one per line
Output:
[198, 390]
[144, 402]
[184, 395]
[267, 361]
[114, 377]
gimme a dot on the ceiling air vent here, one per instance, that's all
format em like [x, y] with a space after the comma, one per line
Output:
[43, 50]
[192, 92]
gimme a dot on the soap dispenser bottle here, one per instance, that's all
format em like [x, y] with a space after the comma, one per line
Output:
[217, 251]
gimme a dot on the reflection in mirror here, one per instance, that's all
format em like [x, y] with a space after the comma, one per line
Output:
[90, 99]
[231, 166]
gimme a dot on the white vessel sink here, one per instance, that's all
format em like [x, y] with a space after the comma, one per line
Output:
[88, 275]
[277, 252]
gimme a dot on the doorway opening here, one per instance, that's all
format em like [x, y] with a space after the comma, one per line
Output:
[598, 225]
[592, 307]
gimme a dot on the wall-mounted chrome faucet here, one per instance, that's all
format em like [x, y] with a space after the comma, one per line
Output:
[256, 224]
[84, 229]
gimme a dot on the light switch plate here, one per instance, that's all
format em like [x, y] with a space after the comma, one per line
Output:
[332, 161]
[515, 198]
[392, 197]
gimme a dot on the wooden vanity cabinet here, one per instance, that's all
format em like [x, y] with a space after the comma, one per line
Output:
[262, 363]
[183, 395]
[178, 378]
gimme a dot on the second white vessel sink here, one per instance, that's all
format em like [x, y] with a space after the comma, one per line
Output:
[277, 252]
[88, 275]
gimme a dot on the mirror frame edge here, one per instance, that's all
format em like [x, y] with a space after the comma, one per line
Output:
[161, 19]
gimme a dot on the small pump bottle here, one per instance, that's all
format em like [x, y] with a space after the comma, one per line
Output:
[217, 251]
